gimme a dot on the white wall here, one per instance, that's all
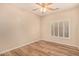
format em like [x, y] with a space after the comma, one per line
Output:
[72, 15]
[19, 27]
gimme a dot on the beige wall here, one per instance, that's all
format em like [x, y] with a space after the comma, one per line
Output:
[19, 27]
[22, 27]
[72, 15]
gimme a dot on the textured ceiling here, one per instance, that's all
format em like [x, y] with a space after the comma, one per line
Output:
[31, 6]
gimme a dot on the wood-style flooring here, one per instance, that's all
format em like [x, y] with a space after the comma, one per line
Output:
[44, 48]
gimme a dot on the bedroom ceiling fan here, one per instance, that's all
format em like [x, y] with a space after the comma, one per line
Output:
[45, 7]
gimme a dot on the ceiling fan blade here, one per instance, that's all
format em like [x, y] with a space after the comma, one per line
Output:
[52, 8]
[38, 4]
[49, 3]
[35, 9]
[41, 4]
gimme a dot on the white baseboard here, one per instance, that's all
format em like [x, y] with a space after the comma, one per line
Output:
[18, 46]
[30, 43]
[62, 43]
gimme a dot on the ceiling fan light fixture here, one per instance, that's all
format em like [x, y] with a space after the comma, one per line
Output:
[43, 9]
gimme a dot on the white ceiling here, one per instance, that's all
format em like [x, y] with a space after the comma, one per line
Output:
[31, 6]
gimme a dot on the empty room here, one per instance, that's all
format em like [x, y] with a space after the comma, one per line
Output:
[39, 29]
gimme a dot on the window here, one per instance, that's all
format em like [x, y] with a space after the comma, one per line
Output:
[56, 29]
[60, 29]
[66, 29]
